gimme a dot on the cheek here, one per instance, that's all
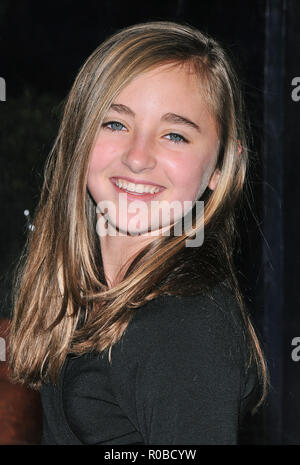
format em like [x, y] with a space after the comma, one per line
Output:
[101, 156]
[186, 175]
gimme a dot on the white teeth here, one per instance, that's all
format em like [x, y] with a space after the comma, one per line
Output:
[131, 187]
[138, 188]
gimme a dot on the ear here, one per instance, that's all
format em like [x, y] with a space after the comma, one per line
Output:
[214, 179]
[239, 147]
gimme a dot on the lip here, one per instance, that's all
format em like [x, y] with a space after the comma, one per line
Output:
[137, 181]
[145, 197]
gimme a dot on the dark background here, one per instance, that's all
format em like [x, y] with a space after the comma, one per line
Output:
[43, 44]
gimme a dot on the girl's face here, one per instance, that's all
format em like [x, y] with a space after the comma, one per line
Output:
[158, 134]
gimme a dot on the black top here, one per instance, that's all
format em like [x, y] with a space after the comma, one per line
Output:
[178, 376]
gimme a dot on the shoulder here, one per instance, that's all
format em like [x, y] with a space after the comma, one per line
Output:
[200, 324]
[166, 313]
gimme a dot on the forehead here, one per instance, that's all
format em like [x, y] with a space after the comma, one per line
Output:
[182, 74]
[164, 83]
[169, 87]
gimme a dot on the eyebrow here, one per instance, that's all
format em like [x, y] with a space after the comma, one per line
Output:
[169, 117]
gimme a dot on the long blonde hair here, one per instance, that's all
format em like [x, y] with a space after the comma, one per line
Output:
[61, 299]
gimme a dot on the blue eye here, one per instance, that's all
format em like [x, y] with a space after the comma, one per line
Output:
[114, 125]
[176, 138]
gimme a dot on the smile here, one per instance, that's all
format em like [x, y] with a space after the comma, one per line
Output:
[136, 188]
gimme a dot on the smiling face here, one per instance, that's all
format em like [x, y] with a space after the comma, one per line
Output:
[158, 144]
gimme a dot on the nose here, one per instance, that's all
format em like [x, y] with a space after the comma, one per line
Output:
[139, 156]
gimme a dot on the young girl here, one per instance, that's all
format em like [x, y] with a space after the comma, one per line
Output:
[133, 329]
